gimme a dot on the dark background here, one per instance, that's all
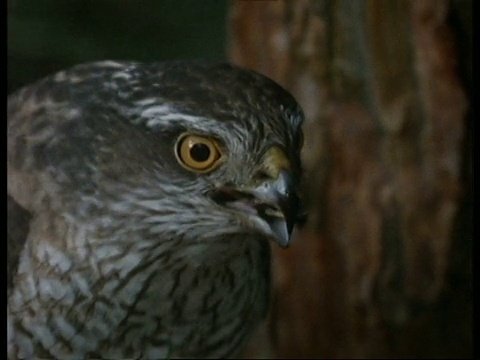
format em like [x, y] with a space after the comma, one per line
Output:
[47, 35]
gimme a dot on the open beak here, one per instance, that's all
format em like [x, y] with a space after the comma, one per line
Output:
[273, 204]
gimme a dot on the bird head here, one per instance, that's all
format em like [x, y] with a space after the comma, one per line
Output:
[178, 149]
[235, 139]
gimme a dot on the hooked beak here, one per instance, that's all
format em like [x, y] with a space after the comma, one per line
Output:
[273, 204]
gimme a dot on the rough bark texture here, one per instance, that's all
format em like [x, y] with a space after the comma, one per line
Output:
[383, 266]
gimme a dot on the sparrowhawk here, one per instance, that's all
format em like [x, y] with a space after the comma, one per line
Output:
[142, 202]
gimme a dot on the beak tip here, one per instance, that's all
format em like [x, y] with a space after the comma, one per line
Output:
[281, 232]
[285, 245]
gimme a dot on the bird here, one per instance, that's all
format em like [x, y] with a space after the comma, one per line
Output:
[143, 202]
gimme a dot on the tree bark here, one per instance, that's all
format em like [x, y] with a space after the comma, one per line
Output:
[383, 266]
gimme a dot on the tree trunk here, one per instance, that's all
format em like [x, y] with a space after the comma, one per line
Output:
[383, 266]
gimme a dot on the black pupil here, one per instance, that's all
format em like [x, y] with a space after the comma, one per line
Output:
[200, 152]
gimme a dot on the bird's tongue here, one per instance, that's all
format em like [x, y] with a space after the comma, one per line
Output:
[275, 219]
[267, 216]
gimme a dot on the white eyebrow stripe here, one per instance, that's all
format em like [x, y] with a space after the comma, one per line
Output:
[122, 75]
[110, 63]
[178, 118]
[156, 110]
[147, 101]
[165, 114]
[187, 118]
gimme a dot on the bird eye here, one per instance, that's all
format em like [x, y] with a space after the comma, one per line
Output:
[198, 153]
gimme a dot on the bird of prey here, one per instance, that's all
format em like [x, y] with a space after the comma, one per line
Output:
[142, 203]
